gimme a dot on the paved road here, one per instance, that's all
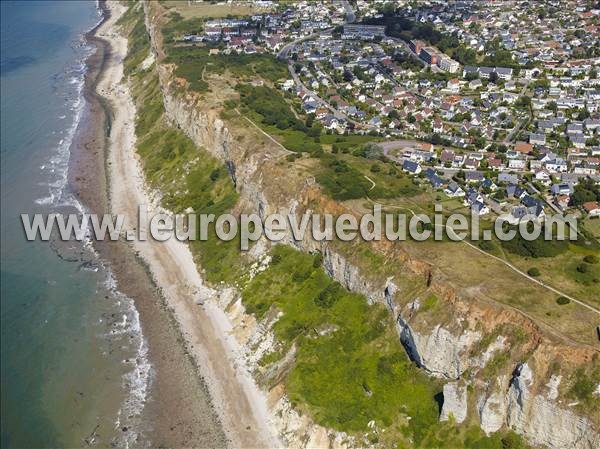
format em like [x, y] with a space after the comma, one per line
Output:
[285, 51]
[350, 16]
[338, 114]
[522, 122]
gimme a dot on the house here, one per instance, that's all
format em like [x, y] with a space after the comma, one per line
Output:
[529, 201]
[543, 177]
[310, 107]
[547, 126]
[447, 156]
[592, 208]
[473, 176]
[488, 184]
[562, 201]
[575, 129]
[591, 124]
[330, 122]
[495, 164]
[523, 147]
[475, 84]
[537, 139]
[516, 164]
[504, 73]
[535, 165]
[514, 191]
[557, 165]
[453, 85]
[454, 190]
[577, 141]
[517, 213]
[411, 167]
[524, 213]
[471, 163]
[458, 161]
[561, 189]
[534, 206]
[433, 178]
[472, 196]
[508, 178]
[480, 208]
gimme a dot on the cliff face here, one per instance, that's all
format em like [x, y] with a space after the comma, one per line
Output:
[447, 349]
[539, 418]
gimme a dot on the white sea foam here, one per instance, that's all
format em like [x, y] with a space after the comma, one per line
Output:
[57, 166]
[136, 380]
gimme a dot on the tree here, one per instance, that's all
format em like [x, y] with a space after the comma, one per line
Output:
[388, 9]
[524, 101]
[309, 120]
[534, 272]
[493, 77]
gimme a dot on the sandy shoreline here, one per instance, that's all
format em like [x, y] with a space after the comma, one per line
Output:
[241, 406]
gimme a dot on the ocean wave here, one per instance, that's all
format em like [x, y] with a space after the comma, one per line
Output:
[137, 379]
[56, 168]
[128, 330]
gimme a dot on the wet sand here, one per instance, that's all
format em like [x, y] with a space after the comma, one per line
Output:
[178, 412]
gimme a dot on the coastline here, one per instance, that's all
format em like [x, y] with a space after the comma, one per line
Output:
[177, 410]
[191, 347]
[240, 405]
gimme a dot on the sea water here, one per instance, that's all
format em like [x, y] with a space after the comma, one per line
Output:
[74, 370]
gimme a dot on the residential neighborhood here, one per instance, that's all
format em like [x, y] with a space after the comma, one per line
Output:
[497, 103]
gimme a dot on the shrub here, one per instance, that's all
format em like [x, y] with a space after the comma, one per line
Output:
[535, 248]
[534, 272]
[318, 260]
[561, 300]
[583, 386]
[329, 296]
[582, 267]
[591, 259]
[341, 181]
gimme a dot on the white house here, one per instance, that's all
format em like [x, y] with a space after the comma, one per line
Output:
[454, 190]
[592, 208]
[516, 164]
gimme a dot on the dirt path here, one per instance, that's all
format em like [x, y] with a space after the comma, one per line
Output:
[508, 264]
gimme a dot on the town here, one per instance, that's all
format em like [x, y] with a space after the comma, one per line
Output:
[495, 103]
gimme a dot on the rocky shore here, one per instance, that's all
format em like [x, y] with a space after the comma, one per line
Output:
[178, 410]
